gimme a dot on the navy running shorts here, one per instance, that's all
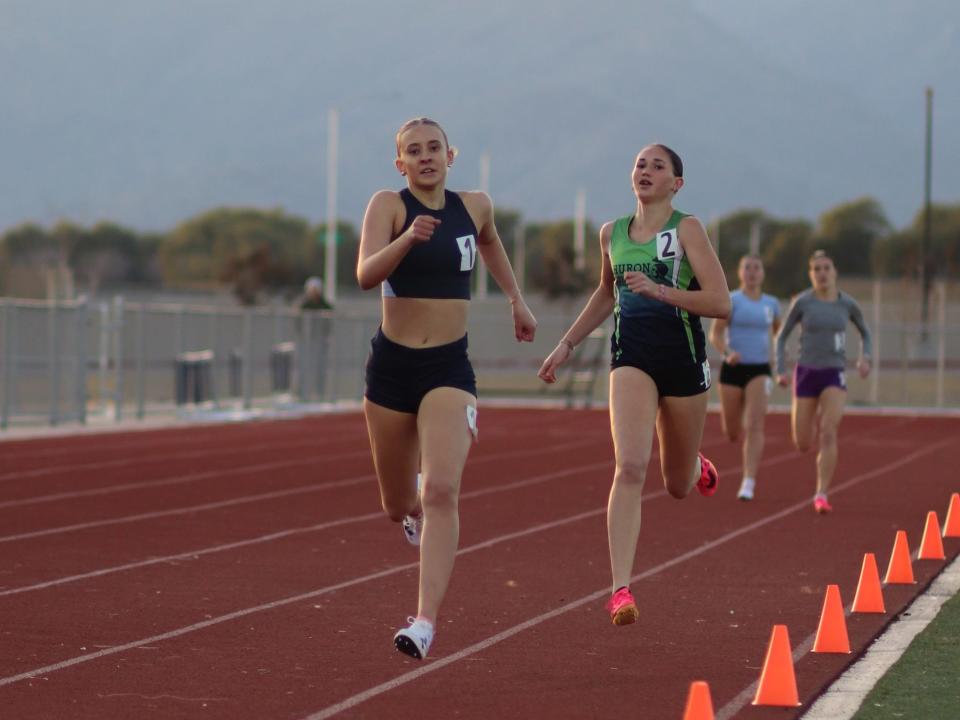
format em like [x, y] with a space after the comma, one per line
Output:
[398, 376]
[675, 381]
[742, 373]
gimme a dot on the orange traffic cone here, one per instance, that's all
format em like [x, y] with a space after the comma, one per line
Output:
[951, 528]
[699, 704]
[869, 597]
[900, 569]
[931, 546]
[832, 631]
[778, 684]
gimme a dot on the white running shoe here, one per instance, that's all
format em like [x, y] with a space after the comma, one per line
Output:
[746, 489]
[413, 524]
[414, 640]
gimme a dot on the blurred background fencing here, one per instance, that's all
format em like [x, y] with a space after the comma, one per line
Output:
[74, 361]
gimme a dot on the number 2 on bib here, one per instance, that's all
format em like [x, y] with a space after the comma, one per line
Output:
[668, 247]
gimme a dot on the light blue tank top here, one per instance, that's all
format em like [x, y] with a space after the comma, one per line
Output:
[748, 331]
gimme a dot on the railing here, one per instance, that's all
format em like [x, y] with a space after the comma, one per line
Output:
[62, 361]
[68, 362]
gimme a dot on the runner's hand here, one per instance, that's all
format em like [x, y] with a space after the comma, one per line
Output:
[422, 228]
[548, 371]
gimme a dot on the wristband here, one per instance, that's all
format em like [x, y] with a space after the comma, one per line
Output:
[661, 289]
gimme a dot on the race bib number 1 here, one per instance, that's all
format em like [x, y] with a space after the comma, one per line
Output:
[468, 252]
[839, 341]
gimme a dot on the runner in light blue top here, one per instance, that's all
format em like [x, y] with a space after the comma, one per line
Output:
[745, 377]
[748, 331]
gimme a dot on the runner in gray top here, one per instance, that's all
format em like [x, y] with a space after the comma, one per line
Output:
[823, 326]
[819, 382]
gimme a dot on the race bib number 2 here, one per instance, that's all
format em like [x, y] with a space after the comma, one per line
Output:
[668, 246]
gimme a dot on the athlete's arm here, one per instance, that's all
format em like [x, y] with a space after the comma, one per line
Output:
[866, 340]
[597, 309]
[793, 317]
[378, 256]
[774, 328]
[718, 335]
[490, 246]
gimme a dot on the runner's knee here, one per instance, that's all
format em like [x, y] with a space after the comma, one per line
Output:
[630, 472]
[439, 495]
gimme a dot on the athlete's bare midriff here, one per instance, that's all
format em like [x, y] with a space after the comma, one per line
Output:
[424, 322]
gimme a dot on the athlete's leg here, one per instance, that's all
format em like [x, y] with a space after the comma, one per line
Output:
[445, 439]
[633, 410]
[395, 446]
[731, 416]
[754, 415]
[680, 430]
[832, 401]
[804, 418]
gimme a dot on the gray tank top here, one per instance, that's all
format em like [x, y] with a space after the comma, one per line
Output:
[823, 330]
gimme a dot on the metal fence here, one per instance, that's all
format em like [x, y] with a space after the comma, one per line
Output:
[63, 361]
[66, 362]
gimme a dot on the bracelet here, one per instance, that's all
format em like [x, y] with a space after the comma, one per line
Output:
[661, 289]
[570, 345]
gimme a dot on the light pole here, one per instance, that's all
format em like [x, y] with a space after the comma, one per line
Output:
[485, 187]
[330, 254]
[925, 269]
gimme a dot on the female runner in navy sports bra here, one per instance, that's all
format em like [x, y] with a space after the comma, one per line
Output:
[659, 274]
[745, 376]
[420, 245]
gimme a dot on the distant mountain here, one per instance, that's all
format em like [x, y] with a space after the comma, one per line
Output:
[150, 111]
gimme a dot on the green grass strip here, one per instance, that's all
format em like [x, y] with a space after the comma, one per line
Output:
[925, 681]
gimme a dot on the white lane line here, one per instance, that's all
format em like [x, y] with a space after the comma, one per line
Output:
[287, 601]
[206, 451]
[140, 459]
[178, 480]
[208, 474]
[384, 573]
[533, 622]
[192, 554]
[315, 487]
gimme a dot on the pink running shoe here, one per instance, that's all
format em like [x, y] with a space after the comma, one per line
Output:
[622, 607]
[709, 477]
[821, 504]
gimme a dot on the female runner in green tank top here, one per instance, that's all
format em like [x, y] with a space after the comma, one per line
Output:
[659, 275]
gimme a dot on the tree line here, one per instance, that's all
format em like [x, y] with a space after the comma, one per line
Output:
[258, 253]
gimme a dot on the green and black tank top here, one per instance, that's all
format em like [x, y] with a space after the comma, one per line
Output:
[667, 335]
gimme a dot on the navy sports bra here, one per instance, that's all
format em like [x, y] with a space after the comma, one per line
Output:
[440, 267]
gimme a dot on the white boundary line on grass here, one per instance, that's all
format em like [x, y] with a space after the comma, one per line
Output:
[842, 699]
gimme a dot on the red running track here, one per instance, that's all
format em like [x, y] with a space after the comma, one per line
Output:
[246, 571]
